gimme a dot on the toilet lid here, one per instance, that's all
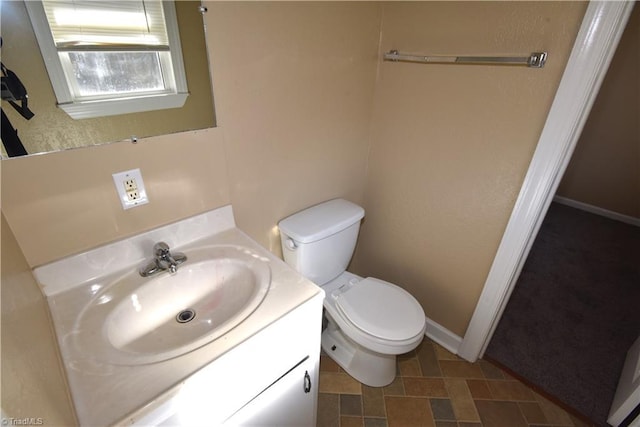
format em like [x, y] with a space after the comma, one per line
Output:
[382, 309]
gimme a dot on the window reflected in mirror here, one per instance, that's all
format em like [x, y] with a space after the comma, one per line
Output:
[51, 129]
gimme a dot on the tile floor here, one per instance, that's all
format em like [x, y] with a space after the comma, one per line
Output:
[435, 388]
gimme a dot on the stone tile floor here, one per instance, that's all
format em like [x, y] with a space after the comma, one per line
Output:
[435, 388]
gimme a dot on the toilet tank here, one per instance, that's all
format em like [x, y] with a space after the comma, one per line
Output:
[319, 241]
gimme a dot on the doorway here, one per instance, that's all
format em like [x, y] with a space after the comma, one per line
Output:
[602, 27]
[573, 312]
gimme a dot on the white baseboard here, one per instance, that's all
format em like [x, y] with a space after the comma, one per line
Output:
[598, 211]
[443, 336]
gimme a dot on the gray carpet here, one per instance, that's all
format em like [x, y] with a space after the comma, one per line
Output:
[575, 310]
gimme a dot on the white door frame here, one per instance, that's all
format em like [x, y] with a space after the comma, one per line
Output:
[597, 39]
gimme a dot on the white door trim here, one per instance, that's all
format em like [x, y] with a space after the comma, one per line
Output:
[597, 39]
[627, 395]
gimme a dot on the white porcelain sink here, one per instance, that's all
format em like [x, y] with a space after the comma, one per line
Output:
[136, 320]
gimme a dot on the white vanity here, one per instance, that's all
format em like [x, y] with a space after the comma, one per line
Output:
[168, 350]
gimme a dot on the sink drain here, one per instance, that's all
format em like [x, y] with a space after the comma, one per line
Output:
[186, 315]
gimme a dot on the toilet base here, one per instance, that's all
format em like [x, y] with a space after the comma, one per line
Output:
[370, 368]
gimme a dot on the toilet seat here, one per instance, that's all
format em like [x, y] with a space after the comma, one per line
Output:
[382, 310]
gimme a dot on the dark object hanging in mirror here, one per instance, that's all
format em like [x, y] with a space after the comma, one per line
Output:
[14, 91]
[10, 140]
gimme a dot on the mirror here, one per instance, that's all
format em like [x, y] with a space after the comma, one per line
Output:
[51, 129]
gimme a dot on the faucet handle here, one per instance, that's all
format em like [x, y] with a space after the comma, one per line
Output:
[160, 249]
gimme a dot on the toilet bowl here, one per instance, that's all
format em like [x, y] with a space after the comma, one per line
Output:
[370, 321]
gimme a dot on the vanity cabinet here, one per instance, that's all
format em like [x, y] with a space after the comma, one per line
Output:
[262, 371]
[271, 379]
[290, 401]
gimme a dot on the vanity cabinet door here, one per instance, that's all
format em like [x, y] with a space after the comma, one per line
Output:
[290, 401]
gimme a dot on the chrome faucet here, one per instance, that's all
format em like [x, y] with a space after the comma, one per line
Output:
[164, 261]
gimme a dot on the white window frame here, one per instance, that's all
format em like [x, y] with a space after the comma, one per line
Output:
[83, 109]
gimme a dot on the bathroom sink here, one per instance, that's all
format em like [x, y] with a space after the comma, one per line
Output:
[140, 320]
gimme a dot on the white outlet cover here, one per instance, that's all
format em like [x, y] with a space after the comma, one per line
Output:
[119, 179]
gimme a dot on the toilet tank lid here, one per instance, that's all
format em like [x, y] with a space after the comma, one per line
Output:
[322, 220]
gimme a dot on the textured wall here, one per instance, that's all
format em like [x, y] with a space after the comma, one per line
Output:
[451, 143]
[604, 170]
[294, 88]
[63, 203]
[32, 380]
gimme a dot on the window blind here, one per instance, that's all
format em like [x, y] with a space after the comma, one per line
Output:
[106, 25]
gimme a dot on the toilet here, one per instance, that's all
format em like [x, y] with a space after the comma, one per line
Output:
[369, 321]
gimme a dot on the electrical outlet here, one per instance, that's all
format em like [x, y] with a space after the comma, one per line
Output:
[130, 184]
[133, 195]
[130, 188]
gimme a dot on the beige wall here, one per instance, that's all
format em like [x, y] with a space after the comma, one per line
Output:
[63, 203]
[294, 88]
[450, 144]
[604, 170]
[32, 380]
